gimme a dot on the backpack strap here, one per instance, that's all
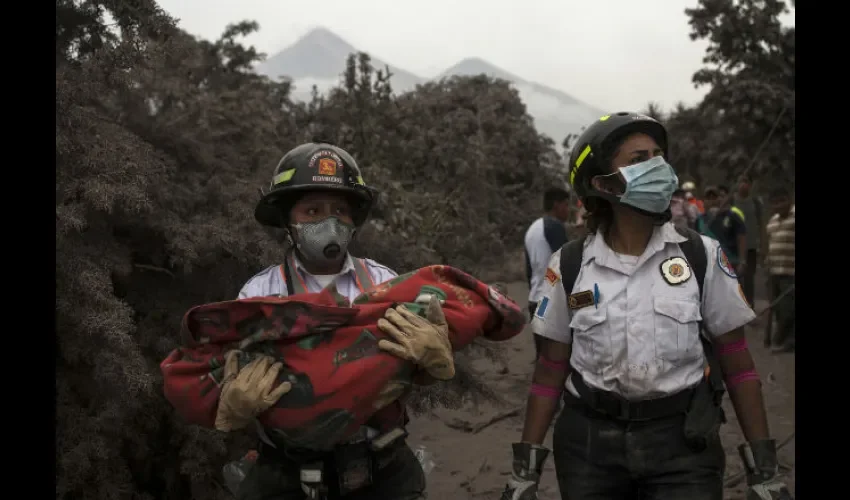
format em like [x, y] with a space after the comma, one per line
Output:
[293, 286]
[694, 250]
[361, 272]
[571, 254]
[740, 213]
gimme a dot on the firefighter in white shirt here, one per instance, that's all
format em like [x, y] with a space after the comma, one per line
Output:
[318, 195]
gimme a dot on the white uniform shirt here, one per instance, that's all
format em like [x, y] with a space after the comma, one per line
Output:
[544, 236]
[641, 339]
[271, 281]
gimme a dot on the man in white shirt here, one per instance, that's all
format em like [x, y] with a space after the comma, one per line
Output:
[545, 235]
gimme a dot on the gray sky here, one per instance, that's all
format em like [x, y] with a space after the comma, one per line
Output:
[612, 54]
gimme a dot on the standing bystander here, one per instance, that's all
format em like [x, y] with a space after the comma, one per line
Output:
[781, 264]
[752, 209]
[545, 235]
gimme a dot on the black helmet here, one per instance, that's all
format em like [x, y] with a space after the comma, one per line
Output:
[314, 167]
[595, 146]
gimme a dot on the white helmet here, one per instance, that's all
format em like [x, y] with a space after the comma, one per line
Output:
[689, 186]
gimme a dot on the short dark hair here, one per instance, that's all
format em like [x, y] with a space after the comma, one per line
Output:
[711, 192]
[554, 195]
[723, 189]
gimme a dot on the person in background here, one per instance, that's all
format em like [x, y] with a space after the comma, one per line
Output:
[752, 209]
[580, 214]
[780, 265]
[684, 214]
[690, 188]
[726, 224]
[545, 235]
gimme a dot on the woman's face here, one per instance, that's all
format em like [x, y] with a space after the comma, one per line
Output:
[319, 205]
[635, 149]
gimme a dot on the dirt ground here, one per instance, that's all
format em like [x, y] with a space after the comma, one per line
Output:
[476, 465]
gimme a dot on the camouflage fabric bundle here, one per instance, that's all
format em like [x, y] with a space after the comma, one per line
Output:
[329, 351]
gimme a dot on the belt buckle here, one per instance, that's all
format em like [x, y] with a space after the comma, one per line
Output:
[357, 474]
[354, 466]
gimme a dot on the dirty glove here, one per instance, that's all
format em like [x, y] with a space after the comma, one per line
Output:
[248, 392]
[527, 469]
[424, 341]
[761, 466]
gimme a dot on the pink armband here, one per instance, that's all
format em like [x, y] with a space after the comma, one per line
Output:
[737, 346]
[544, 391]
[738, 378]
[553, 365]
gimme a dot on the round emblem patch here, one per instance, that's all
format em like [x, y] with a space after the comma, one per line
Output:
[675, 270]
[724, 264]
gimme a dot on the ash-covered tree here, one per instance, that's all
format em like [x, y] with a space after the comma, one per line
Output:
[749, 111]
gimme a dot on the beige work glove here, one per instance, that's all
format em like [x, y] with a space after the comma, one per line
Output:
[424, 341]
[248, 392]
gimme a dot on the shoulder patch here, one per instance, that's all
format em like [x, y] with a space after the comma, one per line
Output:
[724, 264]
[541, 308]
[552, 276]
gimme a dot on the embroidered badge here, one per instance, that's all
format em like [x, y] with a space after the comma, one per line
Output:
[580, 300]
[541, 308]
[551, 276]
[675, 270]
[327, 166]
[724, 264]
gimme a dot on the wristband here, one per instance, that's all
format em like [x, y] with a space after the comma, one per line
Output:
[737, 346]
[545, 391]
[741, 377]
[560, 366]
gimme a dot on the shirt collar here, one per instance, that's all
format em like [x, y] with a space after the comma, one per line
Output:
[347, 267]
[599, 250]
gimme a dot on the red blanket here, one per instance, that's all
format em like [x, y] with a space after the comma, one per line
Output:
[329, 351]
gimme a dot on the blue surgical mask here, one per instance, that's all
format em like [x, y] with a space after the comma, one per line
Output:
[649, 185]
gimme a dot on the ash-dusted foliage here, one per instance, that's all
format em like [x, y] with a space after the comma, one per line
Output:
[748, 116]
[162, 142]
[747, 119]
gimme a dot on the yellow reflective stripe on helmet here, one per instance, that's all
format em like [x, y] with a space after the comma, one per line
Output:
[579, 161]
[283, 177]
[360, 180]
[604, 118]
[737, 211]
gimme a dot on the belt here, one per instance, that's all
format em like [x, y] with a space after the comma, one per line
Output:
[384, 447]
[363, 433]
[614, 405]
[348, 467]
